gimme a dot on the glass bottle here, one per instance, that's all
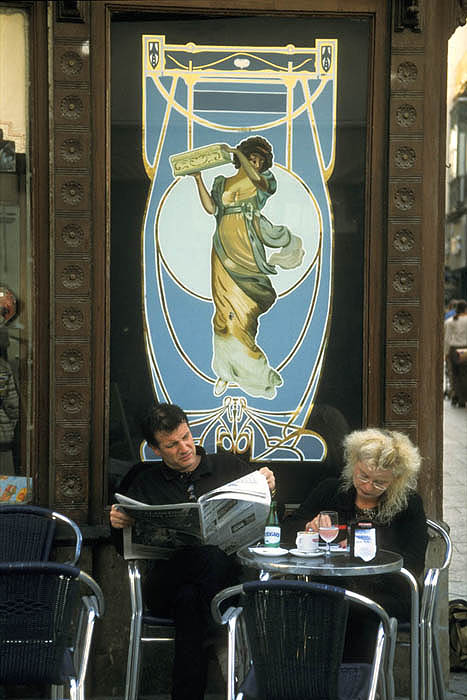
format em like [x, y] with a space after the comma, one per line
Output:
[272, 529]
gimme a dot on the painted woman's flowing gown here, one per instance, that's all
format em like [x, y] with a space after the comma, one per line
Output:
[240, 282]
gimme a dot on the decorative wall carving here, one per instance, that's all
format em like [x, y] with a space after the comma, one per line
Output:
[401, 403]
[406, 115]
[404, 198]
[407, 72]
[71, 236]
[403, 240]
[72, 402]
[402, 363]
[71, 63]
[72, 222]
[405, 216]
[405, 157]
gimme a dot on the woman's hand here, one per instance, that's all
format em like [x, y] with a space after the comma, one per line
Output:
[313, 524]
[119, 519]
[269, 477]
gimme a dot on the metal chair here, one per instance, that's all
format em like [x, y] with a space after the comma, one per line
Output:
[295, 633]
[27, 533]
[45, 626]
[432, 682]
[430, 668]
[143, 628]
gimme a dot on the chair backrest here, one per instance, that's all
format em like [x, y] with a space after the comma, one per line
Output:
[27, 533]
[436, 527]
[296, 634]
[45, 627]
[37, 601]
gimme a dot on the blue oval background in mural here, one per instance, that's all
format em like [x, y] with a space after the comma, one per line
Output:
[237, 299]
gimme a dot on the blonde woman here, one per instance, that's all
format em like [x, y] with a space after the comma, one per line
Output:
[377, 484]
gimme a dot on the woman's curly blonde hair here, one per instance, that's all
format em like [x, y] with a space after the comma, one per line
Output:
[383, 449]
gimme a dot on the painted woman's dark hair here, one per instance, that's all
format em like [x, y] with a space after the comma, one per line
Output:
[256, 144]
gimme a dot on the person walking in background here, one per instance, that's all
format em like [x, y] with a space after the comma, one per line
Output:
[455, 338]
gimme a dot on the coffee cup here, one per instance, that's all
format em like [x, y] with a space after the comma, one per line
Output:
[307, 541]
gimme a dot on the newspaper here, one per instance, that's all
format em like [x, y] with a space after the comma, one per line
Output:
[230, 517]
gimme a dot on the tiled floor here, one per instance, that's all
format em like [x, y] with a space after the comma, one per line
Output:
[455, 515]
[455, 494]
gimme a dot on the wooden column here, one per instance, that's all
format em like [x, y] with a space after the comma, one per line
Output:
[71, 234]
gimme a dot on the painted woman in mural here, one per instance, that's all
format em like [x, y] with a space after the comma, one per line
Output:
[241, 288]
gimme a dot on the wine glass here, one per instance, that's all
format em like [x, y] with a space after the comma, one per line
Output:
[328, 528]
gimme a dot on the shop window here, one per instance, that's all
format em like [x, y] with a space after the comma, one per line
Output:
[15, 260]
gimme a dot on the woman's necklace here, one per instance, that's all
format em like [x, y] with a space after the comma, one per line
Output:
[370, 513]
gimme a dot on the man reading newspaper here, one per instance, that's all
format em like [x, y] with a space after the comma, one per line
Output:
[183, 585]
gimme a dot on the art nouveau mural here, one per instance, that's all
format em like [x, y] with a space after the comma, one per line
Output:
[237, 241]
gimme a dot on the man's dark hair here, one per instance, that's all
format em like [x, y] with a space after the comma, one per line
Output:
[164, 417]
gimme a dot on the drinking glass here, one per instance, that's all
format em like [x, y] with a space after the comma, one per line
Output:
[328, 528]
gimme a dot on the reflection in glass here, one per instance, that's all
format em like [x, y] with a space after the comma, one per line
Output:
[15, 284]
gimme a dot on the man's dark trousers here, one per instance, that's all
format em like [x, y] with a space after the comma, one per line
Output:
[183, 588]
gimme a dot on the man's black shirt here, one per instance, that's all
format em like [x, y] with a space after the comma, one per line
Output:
[156, 484]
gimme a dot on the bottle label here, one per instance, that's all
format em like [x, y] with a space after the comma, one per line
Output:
[365, 543]
[272, 536]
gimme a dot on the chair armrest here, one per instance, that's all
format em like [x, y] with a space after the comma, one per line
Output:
[97, 597]
[219, 598]
[77, 532]
[230, 614]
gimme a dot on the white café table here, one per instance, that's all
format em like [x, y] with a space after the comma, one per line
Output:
[341, 564]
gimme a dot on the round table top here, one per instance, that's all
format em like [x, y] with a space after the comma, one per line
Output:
[338, 564]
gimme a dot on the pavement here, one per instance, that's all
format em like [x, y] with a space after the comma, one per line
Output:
[455, 515]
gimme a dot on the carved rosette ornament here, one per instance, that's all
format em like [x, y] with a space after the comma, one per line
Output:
[71, 63]
[401, 403]
[72, 192]
[407, 72]
[404, 198]
[406, 115]
[403, 281]
[72, 319]
[71, 486]
[403, 240]
[72, 276]
[71, 443]
[71, 361]
[72, 235]
[402, 322]
[405, 157]
[71, 107]
[402, 363]
[71, 150]
[72, 402]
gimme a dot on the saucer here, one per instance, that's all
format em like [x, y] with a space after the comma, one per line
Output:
[269, 551]
[298, 553]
